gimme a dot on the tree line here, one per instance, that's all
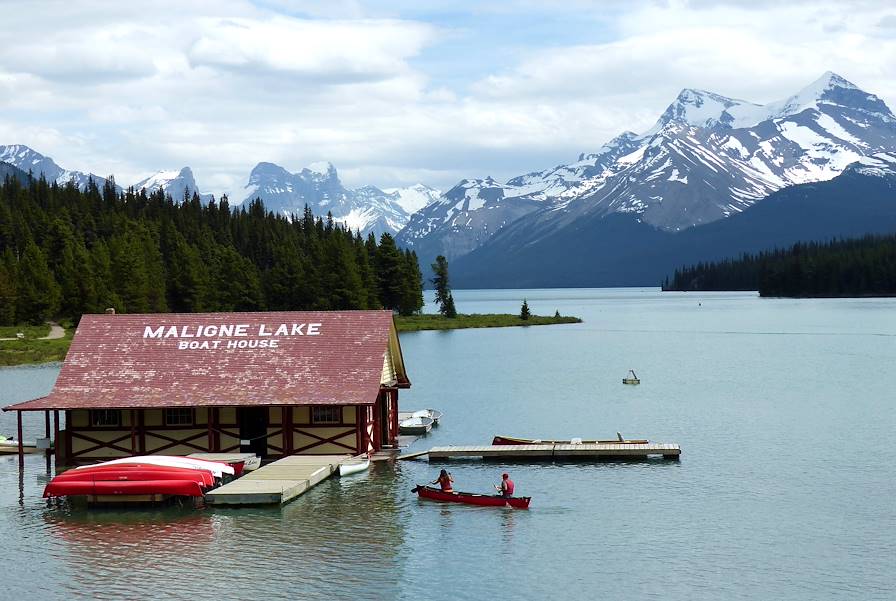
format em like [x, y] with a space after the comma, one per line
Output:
[854, 267]
[65, 252]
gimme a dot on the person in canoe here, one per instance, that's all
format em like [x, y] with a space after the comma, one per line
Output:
[444, 480]
[506, 488]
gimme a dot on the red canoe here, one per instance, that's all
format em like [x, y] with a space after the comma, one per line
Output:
[66, 488]
[201, 477]
[502, 440]
[428, 492]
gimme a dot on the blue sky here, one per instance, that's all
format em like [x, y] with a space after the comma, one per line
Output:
[396, 92]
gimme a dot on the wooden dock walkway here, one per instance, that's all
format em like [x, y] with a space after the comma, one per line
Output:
[278, 482]
[547, 452]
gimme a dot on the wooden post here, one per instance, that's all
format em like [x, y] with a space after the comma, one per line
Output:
[141, 430]
[395, 418]
[133, 432]
[68, 436]
[358, 425]
[21, 446]
[47, 436]
[288, 430]
[56, 432]
[378, 422]
[211, 429]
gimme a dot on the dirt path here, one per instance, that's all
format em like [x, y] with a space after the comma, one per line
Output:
[56, 332]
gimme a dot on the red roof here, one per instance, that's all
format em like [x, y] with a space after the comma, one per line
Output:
[222, 359]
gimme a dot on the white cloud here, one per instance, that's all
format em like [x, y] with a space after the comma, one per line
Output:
[134, 87]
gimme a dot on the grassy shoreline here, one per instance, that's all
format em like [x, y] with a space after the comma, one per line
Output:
[30, 350]
[415, 323]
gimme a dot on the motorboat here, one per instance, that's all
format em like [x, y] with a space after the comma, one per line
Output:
[415, 425]
[433, 414]
[435, 494]
[11, 446]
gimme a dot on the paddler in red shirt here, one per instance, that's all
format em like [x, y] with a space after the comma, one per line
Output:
[444, 480]
[506, 488]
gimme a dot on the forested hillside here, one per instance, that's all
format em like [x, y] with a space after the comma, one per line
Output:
[64, 253]
[860, 267]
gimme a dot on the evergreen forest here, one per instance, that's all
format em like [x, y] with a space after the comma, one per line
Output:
[854, 267]
[65, 252]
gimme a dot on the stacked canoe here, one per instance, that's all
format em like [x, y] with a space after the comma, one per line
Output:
[153, 475]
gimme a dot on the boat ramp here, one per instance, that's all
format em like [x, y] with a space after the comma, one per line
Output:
[549, 452]
[278, 482]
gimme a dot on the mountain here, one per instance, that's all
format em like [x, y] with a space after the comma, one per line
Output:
[621, 249]
[367, 209]
[31, 161]
[175, 183]
[708, 157]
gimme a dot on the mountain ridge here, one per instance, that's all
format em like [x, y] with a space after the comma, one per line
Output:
[707, 157]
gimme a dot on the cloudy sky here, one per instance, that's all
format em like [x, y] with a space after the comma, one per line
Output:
[394, 92]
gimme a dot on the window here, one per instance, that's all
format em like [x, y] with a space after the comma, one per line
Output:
[105, 417]
[179, 416]
[326, 415]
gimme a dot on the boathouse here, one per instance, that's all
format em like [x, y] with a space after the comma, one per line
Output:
[274, 384]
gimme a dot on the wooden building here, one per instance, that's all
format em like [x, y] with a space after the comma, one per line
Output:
[274, 384]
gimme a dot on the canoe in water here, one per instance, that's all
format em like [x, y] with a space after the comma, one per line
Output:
[428, 492]
[353, 466]
[504, 440]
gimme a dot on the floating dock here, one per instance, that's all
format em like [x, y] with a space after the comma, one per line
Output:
[547, 452]
[278, 482]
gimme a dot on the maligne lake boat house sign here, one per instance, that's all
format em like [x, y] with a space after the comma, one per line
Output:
[231, 336]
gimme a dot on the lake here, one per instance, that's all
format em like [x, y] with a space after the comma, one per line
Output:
[784, 410]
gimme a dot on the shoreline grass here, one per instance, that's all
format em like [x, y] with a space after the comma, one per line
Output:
[30, 350]
[415, 323]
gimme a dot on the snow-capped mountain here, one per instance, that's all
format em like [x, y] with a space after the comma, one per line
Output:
[367, 209]
[707, 157]
[175, 183]
[31, 161]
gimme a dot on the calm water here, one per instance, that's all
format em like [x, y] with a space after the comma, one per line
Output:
[784, 410]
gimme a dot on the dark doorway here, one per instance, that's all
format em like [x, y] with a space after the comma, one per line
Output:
[384, 420]
[254, 428]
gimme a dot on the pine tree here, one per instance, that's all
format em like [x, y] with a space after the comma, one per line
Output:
[412, 293]
[450, 312]
[524, 310]
[442, 286]
[390, 273]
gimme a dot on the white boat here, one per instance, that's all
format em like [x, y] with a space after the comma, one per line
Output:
[631, 378]
[415, 425]
[9, 445]
[354, 466]
[216, 468]
[433, 414]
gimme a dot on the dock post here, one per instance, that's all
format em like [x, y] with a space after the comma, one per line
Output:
[56, 433]
[47, 436]
[21, 446]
